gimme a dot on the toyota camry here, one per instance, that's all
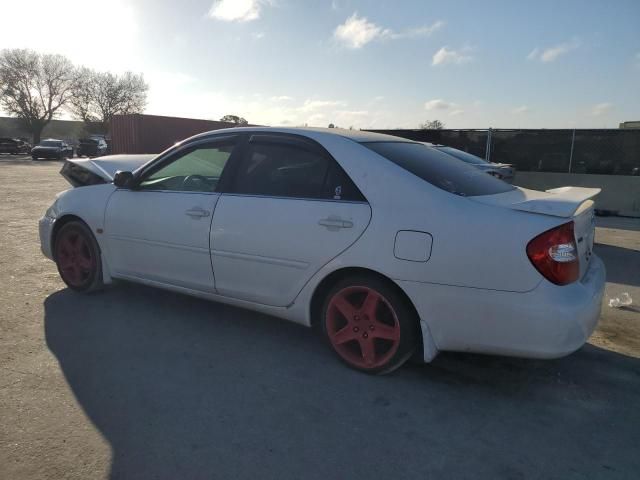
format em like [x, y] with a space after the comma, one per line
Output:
[390, 247]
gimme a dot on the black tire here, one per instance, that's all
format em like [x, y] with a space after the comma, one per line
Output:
[390, 330]
[77, 256]
[33, 157]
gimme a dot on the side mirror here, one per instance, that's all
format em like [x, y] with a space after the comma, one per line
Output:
[123, 179]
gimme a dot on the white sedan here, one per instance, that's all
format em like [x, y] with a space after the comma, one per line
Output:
[391, 247]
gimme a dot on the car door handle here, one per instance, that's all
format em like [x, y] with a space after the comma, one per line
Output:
[197, 212]
[334, 223]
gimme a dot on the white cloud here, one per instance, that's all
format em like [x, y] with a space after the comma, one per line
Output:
[521, 110]
[281, 98]
[423, 31]
[316, 120]
[310, 105]
[601, 109]
[533, 54]
[448, 55]
[236, 10]
[357, 31]
[456, 112]
[553, 53]
[437, 104]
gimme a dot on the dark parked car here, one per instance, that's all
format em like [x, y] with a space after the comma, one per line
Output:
[14, 146]
[92, 147]
[52, 148]
[503, 171]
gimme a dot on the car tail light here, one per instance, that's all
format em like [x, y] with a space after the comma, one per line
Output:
[555, 255]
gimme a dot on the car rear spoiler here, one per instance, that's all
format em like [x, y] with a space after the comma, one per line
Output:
[558, 202]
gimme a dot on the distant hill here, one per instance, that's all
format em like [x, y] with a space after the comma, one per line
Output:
[69, 130]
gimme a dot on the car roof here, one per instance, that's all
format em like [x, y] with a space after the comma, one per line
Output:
[359, 136]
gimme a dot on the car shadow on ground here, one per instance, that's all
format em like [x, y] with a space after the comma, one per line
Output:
[623, 264]
[184, 388]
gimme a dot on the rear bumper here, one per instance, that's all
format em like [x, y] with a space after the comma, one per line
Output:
[547, 322]
[45, 154]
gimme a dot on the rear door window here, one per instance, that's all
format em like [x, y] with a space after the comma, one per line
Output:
[440, 169]
[291, 167]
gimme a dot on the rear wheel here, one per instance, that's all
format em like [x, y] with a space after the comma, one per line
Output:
[77, 256]
[369, 325]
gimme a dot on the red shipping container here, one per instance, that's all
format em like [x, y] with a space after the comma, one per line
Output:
[137, 133]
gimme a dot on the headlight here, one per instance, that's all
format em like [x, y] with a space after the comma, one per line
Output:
[52, 211]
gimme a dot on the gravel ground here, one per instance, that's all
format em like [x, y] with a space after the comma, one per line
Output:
[138, 383]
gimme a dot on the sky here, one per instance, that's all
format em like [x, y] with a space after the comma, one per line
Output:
[366, 64]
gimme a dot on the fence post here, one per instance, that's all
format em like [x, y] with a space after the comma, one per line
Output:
[487, 153]
[573, 140]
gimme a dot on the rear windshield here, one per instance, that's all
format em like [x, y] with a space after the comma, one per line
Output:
[464, 156]
[440, 169]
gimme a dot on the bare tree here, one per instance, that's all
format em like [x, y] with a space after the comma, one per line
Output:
[34, 87]
[234, 119]
[98, 96]
[432, 125]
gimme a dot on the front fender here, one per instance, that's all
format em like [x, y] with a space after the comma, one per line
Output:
[88, 204]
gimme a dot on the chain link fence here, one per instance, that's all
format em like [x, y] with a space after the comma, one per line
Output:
[597, 151]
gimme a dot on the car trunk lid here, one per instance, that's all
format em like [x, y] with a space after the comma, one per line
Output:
[570, 203]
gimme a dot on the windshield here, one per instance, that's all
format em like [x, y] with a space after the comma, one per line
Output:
[440, 169]
[50, 143]
[464, 156]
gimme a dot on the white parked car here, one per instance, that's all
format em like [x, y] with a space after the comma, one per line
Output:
[391, 247]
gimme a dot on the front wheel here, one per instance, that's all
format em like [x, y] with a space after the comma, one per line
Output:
[77, 256]
[369, 324]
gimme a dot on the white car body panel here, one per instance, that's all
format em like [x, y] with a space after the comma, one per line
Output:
[466, 274]
[150, 235]
[279, 244]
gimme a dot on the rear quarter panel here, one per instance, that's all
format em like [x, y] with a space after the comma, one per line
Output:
[474, 245]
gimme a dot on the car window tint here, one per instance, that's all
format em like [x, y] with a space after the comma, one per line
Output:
[440, 169]
[281, 170]
[339, 186]
[197, 170]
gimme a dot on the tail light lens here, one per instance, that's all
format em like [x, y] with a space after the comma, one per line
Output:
[555, 255]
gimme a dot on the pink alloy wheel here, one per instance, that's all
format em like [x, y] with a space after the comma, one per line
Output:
[75, 257]
[362, 327]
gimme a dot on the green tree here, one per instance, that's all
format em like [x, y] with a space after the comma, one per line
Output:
[432, 125]
[234, 119]
[98, 96]
[34, 87]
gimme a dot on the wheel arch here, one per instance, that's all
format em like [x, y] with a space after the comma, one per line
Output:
[61, 222]
[323, 287]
